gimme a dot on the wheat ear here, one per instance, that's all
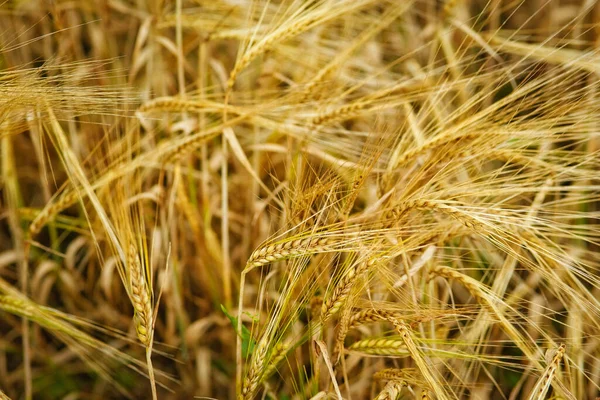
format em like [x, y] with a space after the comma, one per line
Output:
[296, 248]
[342, 112]
[543, 384]
[339, 295]
[279, 353]
[381, 346]
[450, 139]
[398, 212]
[477, 290]
[391, 391]
[255, 372]
[369, 316]
[417, 356]
[389, 374]
[286, 31]
[140, 297]
[342, 331]
[51, 210]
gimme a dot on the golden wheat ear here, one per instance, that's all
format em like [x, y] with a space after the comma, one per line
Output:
[3, 396]
[140, 297]
[545, 381]
[140, 293]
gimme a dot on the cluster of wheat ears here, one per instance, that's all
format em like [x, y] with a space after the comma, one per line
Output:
[299, 199]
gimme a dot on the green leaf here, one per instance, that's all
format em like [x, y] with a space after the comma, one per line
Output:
[247, 342]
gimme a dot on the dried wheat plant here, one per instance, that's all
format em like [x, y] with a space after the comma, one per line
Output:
[291, 199]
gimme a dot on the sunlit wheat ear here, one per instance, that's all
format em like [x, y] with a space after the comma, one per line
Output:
[339, 295]
[417, 356]
[65, 328]
[342, 331]
[410, 375]
[300, 22]
[278, 354]
[257, 365]
[398, 212]
[371, 315]
[296, 248]
[140, 297]
[389, 374]
[543, 384]
[3, 396]
[492, 304]
[167, 153]
[51, 210]
[381, 346]
[391, 391]
[340, 113]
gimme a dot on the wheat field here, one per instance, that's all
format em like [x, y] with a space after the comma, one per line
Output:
[299, 199]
